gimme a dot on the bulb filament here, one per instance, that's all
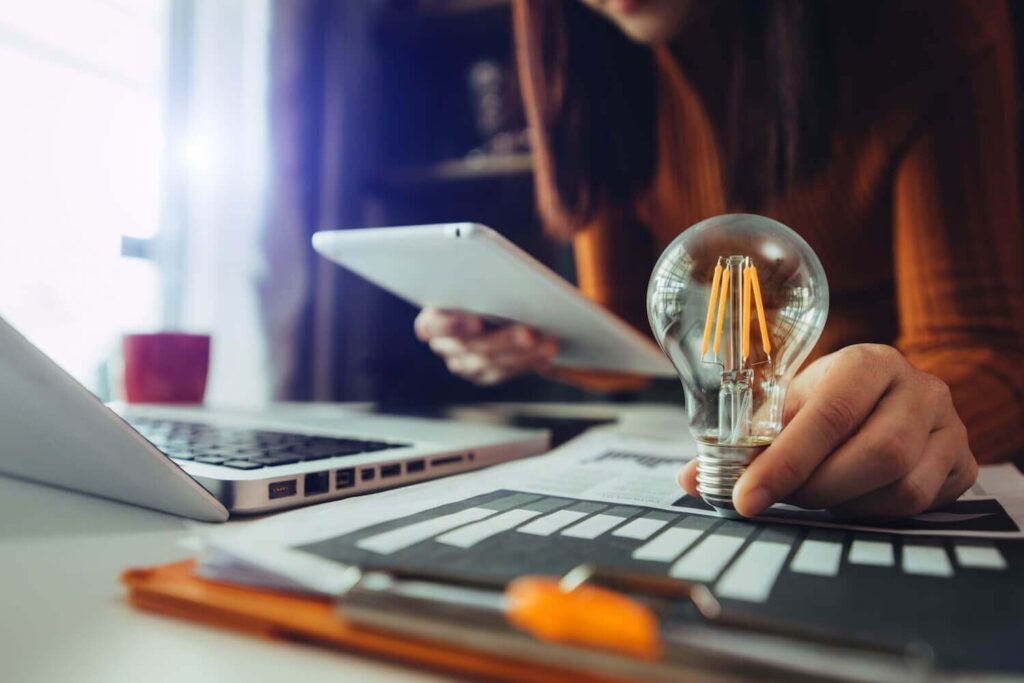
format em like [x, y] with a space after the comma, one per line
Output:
[749, 290]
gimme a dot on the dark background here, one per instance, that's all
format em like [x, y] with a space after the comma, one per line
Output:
[381, 90]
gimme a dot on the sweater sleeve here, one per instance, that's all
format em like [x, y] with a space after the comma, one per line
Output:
[959, 251]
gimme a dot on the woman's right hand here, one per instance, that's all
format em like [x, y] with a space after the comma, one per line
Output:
[480, 352]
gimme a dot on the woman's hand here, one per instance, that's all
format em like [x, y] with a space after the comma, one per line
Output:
[867, 434]
[482, 353]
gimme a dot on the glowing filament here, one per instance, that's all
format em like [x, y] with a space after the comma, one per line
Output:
[722, 302]
[766, 344]
[745, 346]
[711, 308]
[751, 291]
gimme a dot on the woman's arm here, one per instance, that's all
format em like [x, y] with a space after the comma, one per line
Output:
[959, 251]
[870, 430]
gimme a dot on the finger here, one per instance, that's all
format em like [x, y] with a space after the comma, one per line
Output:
[491, 369]
[688, 478]
[508, 338]
[911, 494]
[803, 385]
[886, 448]
[495, 374]
[845, 395]
[433, 322]
[541, 354]
[965, 468]
[446, 346]
[538, 357]
[513, 340]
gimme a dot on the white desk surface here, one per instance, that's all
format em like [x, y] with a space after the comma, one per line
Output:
[63, 614]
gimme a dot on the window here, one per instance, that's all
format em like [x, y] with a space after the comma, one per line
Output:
[81, 138]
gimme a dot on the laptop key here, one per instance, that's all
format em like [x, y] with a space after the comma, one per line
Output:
[210, 460]
[180, 455]
[317, 456]
[243, 465]
[271, 460]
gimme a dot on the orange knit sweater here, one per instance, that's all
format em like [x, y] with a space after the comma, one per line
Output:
[915, 217]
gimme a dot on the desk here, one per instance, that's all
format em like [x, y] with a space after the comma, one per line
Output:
[63, 616]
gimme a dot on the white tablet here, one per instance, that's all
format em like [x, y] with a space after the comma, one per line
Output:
[469, 267]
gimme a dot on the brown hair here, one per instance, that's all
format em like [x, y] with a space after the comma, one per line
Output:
[591, 101]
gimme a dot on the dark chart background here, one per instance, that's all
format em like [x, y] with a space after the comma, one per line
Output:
[971, 612]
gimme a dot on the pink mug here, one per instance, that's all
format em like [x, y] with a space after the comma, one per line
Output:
[165, 367]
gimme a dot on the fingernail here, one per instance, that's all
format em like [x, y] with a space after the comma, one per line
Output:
[754, 502]
[444, 345]
[523, 337]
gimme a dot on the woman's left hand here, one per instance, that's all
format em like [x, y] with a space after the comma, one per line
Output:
[867, 434]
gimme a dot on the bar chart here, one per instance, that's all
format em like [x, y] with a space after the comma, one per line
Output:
[507, 533]
[957, 594]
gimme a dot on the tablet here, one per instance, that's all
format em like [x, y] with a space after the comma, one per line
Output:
[469, 267]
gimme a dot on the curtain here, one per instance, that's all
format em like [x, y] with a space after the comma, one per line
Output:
[214, 186]
[321, 142]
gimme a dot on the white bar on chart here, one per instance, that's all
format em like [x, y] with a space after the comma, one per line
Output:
[468, 536]
[396, 539]
[594, 526]
[667, 545]
[873, 553]
[978, 556]
[549, 524]
[707, 558]
[752, 576]
[640, 529]
[820, 558]
[928, 560]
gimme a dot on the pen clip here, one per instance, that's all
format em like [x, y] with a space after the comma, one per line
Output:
[609, 609]
[917, 654]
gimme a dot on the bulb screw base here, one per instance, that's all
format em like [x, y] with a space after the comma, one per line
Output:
[719, 467]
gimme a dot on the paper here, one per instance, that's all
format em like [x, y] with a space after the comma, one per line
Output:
[604, 497]
[948, 578]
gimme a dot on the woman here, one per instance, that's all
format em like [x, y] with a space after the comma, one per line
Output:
[882, 132]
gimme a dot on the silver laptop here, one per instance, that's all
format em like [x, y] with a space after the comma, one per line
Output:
[207, 464]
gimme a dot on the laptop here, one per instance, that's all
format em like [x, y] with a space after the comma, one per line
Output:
[209, 464]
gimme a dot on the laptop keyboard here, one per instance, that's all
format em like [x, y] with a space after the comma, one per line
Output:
[247, 449]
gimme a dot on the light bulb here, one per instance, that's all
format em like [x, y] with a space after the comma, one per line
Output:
[737, 302]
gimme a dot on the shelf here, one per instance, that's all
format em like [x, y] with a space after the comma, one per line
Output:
[492, 167]
[434, 8]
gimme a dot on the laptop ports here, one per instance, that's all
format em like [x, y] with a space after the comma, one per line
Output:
[446, 460]
[392, 470]
[282, 489]
[346, 478]
[317, 483]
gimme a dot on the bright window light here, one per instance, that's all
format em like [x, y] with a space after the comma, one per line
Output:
[81, 138]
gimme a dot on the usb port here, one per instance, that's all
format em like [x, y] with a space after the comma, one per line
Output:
[447, 460]
[282, 489]
[317, 483]
[392, 470]
[346, 478]
[367, 473]
[415, 466]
